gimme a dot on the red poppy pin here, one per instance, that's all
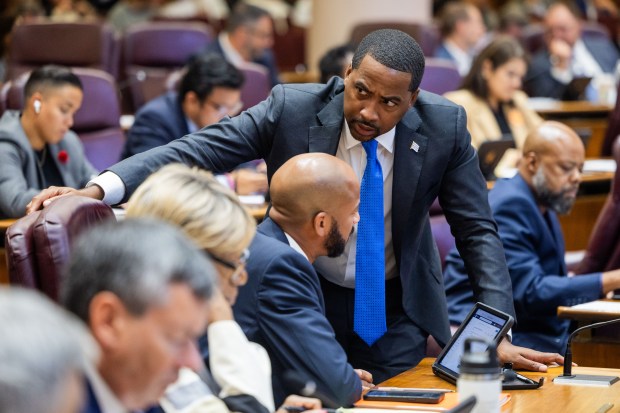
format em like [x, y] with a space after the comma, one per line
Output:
[63, 156]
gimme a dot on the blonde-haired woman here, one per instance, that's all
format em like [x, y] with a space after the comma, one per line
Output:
[214, 219]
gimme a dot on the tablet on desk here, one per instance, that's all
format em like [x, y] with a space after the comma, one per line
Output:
[482, 321]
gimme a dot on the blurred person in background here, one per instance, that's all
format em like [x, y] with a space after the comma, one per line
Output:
[462, 29]
[43, 353]
[37, 147]
[209, 90]
[491, 95]
[335, 61]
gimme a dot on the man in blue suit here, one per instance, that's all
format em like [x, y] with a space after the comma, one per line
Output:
[525, 209]
[568, 55]
[208, 91]
[143, 289]
[315, 200]
[425, 153]
[248, 38]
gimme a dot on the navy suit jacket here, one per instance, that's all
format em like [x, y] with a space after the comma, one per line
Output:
[443, 53]
[281, 308]
[156, 123]
[539, 82]
[301, 118]
[267, 60]
[534, 248]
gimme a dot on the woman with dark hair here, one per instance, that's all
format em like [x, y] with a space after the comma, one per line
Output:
[37, 149]
[492, 97]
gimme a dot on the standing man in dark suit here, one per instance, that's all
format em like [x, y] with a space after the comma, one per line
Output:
[568, 55]
[425, 153]
[248, 38]
[525, 208]
[315, 199]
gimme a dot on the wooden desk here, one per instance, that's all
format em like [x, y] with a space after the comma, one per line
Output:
[599, 347]
[550, 398]
[4, 271]
[581, 116]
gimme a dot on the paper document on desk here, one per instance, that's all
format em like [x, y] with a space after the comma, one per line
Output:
[599, 306]
[599, 165]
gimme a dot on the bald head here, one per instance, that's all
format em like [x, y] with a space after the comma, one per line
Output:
[310, 183]
[553, 157]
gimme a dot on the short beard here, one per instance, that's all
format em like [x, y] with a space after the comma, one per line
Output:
[335, 243]
[557, 201]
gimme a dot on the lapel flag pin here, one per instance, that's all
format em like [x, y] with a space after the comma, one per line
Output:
[414, 146]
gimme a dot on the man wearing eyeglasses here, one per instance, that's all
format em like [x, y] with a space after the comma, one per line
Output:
[208, 91]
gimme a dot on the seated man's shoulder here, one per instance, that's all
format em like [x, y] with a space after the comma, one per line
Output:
[319, 91]
[428, 99]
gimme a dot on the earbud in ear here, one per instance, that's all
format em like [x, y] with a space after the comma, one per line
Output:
[37, 106]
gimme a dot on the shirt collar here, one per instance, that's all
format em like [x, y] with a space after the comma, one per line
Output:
[107, 400]
[231, 54]
[191, 126]
[294, 245]
[386, 140]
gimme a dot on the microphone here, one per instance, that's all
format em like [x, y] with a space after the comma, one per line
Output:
[583, 379]
[308, 388]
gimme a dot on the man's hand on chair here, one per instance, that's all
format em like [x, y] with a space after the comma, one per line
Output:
[46, 196]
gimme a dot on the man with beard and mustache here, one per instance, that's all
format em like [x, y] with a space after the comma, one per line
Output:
[315, 199]
[525, 209]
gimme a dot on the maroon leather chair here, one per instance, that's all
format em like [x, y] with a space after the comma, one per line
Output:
[97, 122]
[440, 76]
[256, 86]
[427, 35]
[613, 128]
[35, 44]
[603, 251]
[38, 245]
[152, 50]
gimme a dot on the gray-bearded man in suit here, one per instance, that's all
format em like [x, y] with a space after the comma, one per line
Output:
[425, 152]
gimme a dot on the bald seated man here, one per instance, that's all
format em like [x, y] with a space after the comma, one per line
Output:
[315, 199]
[525, 208]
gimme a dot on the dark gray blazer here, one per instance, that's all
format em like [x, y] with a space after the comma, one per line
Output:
[297, 119]
[21, 178]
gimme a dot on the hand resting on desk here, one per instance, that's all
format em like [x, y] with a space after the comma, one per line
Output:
[525, 358]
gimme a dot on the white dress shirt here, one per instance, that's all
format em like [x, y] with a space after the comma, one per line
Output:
[107, 400]
[294, 245]
[583, 64]
[462, 58]
[341, 270]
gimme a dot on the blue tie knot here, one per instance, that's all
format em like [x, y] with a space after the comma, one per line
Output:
[371, 148]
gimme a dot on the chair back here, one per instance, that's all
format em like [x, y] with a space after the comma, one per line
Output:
[427, 35]
[603, 251]
[256, 86]
[613, 128]
[99, 130]
[152, 50]
[443, 237]
[38, 245]
[440, 76]
[84, 44]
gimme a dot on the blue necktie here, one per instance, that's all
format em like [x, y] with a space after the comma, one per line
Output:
[369, 311]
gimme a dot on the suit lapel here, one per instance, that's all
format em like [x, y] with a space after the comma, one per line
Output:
[407, 167]
[325, 137]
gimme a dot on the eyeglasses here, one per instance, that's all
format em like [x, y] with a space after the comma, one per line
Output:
[223, 110]
[237, 277]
